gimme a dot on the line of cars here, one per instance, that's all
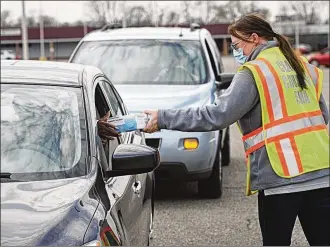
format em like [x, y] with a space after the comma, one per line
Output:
[60, 184]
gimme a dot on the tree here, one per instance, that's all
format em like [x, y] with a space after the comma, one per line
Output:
[172, 19]
[138, 16]
[210, 8]
[308, 10]
[5, 19]
[220, 14]
[237, 9]
[102, 12]
[186, 11]
[160, 17]
[49, 21]
[253, 7]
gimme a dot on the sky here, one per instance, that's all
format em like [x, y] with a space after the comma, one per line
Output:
[70, 11]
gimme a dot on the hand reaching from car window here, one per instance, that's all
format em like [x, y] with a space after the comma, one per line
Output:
[106, 131]
[152, 125]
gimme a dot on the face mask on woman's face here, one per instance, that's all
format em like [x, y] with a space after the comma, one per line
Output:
[239, 56]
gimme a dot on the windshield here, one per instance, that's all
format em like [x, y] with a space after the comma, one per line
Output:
[146, 61]
[43, 132]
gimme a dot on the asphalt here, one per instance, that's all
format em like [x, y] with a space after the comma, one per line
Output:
[182, 218]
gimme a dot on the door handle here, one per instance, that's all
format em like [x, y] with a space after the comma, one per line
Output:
[137, 188]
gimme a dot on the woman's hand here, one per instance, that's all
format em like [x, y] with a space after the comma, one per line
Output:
[106, 131]
[152, 125]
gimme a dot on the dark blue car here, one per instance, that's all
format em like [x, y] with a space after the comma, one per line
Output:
[60, 184]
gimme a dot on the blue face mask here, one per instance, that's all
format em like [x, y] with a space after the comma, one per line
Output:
[239, 56]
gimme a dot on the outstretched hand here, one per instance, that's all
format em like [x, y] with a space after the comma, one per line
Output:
[152, 125]
[106, 131]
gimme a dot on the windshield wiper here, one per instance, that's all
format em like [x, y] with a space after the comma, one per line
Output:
[5, 174]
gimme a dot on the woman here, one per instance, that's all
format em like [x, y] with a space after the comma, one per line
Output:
[276, 99]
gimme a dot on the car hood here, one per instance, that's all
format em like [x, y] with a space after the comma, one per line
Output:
[142, 97]
[44, 212]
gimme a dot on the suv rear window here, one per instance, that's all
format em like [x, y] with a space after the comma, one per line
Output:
[171, 62]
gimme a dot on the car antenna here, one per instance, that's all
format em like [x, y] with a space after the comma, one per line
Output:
[180, 35]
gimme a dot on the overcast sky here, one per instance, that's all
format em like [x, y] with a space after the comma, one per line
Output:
[70, 11]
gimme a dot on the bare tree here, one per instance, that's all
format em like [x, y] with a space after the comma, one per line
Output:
[160, 17]
[172, 18]
[97, 15]
[5, 19]
[138, 16]
[49, 21]
[220, 14]
[102, 12]
[253, 7]
[210, 8]
[308, 10]
[186, 11]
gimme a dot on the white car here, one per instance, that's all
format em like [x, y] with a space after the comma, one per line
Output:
[156, 68]
[7, 54]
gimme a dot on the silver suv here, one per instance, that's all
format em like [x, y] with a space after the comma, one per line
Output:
[164, 67]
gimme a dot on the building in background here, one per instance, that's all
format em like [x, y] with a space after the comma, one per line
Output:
[61, 41]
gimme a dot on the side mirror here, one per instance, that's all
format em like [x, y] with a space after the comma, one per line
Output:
[131, 159]
[223, 80]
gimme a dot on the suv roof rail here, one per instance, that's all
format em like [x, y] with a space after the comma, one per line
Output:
[111, 26]
[194, 26]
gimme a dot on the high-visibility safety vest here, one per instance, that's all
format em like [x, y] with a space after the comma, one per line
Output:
[293, 129]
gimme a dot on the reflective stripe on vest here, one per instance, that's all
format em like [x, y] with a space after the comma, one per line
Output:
[314, 73]
[273, 91]
[281, 129]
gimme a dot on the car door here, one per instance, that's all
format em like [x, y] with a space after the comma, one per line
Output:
[131, 189]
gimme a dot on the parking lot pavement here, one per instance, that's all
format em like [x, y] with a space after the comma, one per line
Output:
[181, 218]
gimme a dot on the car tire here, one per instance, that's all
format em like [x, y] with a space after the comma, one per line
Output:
[225, 150]
[315, 63]
[211, 188]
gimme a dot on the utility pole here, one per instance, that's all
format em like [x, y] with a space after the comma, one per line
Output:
[24, 34]
[297, 31]
[124, 23]
[41, 27]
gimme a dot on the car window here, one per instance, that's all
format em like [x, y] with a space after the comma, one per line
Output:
[215, 49]
[170, 62]
[43, 132]
[213, 63]
[114, 103]
[102, 107]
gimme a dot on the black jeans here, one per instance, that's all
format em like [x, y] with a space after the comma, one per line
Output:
[278, 213]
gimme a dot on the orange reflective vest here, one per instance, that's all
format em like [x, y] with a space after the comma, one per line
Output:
[293, 129]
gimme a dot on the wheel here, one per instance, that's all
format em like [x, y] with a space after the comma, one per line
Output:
[212, 187]
[225, 150]
[315, 63]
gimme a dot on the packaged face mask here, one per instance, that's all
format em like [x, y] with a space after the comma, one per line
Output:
[130, 122]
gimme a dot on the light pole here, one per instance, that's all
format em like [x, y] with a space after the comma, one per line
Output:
[24, 34]
[297, 31]
[124, 22]
[41, 27]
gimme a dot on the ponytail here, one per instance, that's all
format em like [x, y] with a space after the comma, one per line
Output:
[292, 58]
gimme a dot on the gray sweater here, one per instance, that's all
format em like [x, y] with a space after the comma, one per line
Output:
[240, 102]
